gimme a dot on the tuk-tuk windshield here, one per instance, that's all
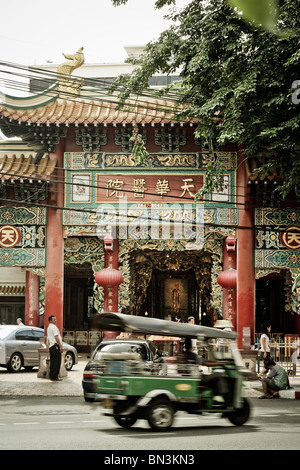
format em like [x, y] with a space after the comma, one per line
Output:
[221, 349]
[121, 347]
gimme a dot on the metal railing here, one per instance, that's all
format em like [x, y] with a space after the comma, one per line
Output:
[286, 354]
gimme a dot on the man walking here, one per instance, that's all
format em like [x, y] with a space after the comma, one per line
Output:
[55, 348]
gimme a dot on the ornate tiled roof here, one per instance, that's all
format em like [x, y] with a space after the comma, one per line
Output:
[16, 166]
[47, 109]
[12, 290]
[253, 164]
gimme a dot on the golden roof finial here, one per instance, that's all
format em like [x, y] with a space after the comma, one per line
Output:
[66, 84]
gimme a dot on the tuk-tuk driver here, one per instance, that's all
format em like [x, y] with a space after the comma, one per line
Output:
[214, 380]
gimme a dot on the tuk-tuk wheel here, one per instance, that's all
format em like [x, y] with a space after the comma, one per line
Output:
[239, 416]
[160, 415]
[125, 421]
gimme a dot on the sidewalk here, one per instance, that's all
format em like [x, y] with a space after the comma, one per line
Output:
[28, 384]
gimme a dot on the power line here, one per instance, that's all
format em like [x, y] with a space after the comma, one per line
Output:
[51, 92]
[141, 218]
[36, 72]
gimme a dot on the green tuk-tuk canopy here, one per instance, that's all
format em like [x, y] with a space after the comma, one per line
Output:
[155, 326]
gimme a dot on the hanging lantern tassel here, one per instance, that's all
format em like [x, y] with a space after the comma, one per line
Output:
[227, 278]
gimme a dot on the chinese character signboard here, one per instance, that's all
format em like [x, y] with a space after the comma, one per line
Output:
[291, 238]
[9, 236]
[277, 241]
[22, 236]
[148, 188]
[112, 183]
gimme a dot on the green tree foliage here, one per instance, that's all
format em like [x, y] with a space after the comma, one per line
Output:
[237, 70]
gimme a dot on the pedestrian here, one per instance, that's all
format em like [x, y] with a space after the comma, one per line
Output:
[19, 322]
[55, 348]
[295, 355]
[276, 380]
[265, 352]
[191, 321]
[190, 356]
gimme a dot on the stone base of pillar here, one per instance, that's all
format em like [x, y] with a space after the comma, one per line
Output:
[249, 357]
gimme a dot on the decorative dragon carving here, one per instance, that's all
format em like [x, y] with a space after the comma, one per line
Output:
[66, 84]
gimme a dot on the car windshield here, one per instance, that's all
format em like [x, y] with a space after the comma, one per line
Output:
[6, 330]
[120, 347]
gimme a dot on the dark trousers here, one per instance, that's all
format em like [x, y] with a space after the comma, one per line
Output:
[265, 359]
[55, 360]
[215, 381]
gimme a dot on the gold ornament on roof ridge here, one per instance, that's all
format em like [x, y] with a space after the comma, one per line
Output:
[66, 84]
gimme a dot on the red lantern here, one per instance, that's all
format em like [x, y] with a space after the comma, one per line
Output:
[227, 278]
[109, 277]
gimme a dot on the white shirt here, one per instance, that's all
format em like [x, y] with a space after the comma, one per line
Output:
[52, 331]
[267, 342]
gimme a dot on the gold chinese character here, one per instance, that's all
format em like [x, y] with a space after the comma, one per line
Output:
[291, 238]
[162, 187]
[7, 235]
[114, 188]
[186, 187]
[139, 187]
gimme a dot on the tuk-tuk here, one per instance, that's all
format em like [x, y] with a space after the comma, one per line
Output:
[133, 392]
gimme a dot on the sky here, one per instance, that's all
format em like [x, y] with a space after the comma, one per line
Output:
[34, 32]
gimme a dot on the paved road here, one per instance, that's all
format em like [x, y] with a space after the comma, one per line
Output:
[68, 423]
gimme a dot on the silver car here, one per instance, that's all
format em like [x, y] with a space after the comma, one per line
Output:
[19, 348]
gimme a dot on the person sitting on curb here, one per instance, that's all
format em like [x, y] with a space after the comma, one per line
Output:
[276, 380]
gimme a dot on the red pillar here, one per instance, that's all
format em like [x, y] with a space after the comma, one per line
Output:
[245, 263]
[54, 278]
[111, 297]
[32, 299]
[110, 278]
[111, 260]
[229, 294]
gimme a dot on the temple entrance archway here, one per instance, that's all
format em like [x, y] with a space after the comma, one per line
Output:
[172, 285]
[173, 295]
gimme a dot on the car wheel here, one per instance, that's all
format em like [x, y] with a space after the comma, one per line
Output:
[125, 421]
[69, 360]
[15, 363]
[239, 416]
[88, 399]
[160, 415]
